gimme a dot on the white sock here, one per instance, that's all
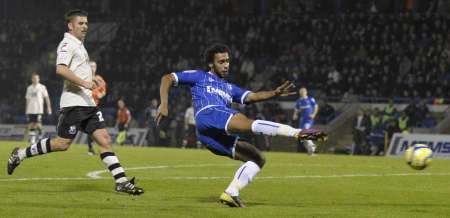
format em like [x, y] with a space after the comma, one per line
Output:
[39, 148]
[32, 135]
[273, 129]
[243, 176]
[310, 146]
[22, 154]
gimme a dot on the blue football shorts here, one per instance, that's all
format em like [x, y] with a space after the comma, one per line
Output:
[212, 125]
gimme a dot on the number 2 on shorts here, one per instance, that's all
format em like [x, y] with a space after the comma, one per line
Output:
[100, 116]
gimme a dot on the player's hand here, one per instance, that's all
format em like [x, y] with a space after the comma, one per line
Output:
[312, 116]
[285, 89]
[89, 85]
[163, 112]
[49, 111]
[99, 81]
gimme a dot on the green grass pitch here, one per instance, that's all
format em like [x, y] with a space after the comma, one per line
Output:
[187, 183]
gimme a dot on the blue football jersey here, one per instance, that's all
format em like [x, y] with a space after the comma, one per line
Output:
[306, 107]
[208, 89]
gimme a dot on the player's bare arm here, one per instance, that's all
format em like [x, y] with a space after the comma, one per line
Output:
[63, 71]
[163, 111]
[49, 106]
[295, 114]
[281, 91]
[316, 110]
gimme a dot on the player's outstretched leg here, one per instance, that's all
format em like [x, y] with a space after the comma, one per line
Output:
[239, 123]
[253, 162]
[111, 161]
[43, 146]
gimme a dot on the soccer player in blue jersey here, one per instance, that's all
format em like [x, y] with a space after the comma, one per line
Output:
[307, 108]
[218, 124]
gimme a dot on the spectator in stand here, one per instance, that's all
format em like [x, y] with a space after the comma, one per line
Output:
[361, 128]
[388, 112]
[177, 126]
[190, 138]
[326, 113]
[412, 112]
[403, 122]
[247, 69]
[375, 139]
[429, 121]
[122, 121]
[152, 129]
[422, 111]
[391, 127]
[375, 119]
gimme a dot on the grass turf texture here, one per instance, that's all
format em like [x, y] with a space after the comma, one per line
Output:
[187, 183]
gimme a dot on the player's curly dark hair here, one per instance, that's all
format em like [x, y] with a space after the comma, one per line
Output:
[208, 55]
[69, 15]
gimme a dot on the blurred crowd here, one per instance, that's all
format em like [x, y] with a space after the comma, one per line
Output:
[358, 54]
[373, 128]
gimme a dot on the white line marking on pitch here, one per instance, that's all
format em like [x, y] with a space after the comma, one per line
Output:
[95, 175]
[224, 177]
[46, 179]
[302, 176]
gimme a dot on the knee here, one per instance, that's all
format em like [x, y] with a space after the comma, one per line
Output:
[108, 141]
[105, 141]
[261, 160]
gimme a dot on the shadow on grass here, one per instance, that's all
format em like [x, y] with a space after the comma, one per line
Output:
[250, 203]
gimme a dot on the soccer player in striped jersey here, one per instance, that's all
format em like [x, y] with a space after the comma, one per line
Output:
[218, 125]
[122, 121]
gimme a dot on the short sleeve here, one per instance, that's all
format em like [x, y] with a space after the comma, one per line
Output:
[64, 54]
[313, 102]
[28, 94]
[239, 94]
[187, 115]
[188, 77]
[44, 91]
